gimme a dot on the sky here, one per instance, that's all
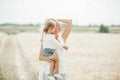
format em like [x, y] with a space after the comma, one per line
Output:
[82, 12]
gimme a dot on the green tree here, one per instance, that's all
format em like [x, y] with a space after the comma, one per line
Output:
[103, 29]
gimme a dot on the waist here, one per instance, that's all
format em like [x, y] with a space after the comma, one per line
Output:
[48, 49]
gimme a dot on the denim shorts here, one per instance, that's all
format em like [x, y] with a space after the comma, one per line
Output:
[48, 52]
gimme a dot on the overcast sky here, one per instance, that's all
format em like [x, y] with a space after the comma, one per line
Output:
[82, 12]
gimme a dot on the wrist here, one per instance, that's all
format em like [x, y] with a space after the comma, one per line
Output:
[67, 21]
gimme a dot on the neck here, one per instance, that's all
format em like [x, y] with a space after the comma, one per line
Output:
[56, 36]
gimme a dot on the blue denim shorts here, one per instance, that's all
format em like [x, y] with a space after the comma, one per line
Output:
[48, 52]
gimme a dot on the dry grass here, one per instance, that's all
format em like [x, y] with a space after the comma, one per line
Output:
[91, 56]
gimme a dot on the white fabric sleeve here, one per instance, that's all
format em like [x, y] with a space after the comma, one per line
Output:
[56, 43]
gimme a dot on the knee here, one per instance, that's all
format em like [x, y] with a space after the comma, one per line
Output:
[52, 62]
[57, 60]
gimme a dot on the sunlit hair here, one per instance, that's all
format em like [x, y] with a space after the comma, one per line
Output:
[57, 24]
[49, 23]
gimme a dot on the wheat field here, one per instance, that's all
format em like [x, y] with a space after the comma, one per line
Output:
[91, 56]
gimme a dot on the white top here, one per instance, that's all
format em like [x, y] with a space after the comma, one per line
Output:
[49, 41]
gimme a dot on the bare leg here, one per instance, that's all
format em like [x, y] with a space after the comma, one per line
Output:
[57, 66]
[57, 74]
[52, 67]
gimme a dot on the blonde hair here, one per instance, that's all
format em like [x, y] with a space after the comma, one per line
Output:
[49, 23]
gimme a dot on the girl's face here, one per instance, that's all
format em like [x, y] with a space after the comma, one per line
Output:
[52, 30]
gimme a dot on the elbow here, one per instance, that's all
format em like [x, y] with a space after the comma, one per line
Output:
[40, 58]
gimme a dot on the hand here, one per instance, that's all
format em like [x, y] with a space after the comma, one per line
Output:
[65, 47]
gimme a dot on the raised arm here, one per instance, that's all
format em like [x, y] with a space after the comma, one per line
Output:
[67, 30]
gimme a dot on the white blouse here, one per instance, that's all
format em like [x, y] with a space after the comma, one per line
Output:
[49, 41]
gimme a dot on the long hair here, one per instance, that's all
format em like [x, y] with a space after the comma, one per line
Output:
[49, 23]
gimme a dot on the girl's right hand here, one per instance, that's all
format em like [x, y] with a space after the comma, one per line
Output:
[65, 47]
